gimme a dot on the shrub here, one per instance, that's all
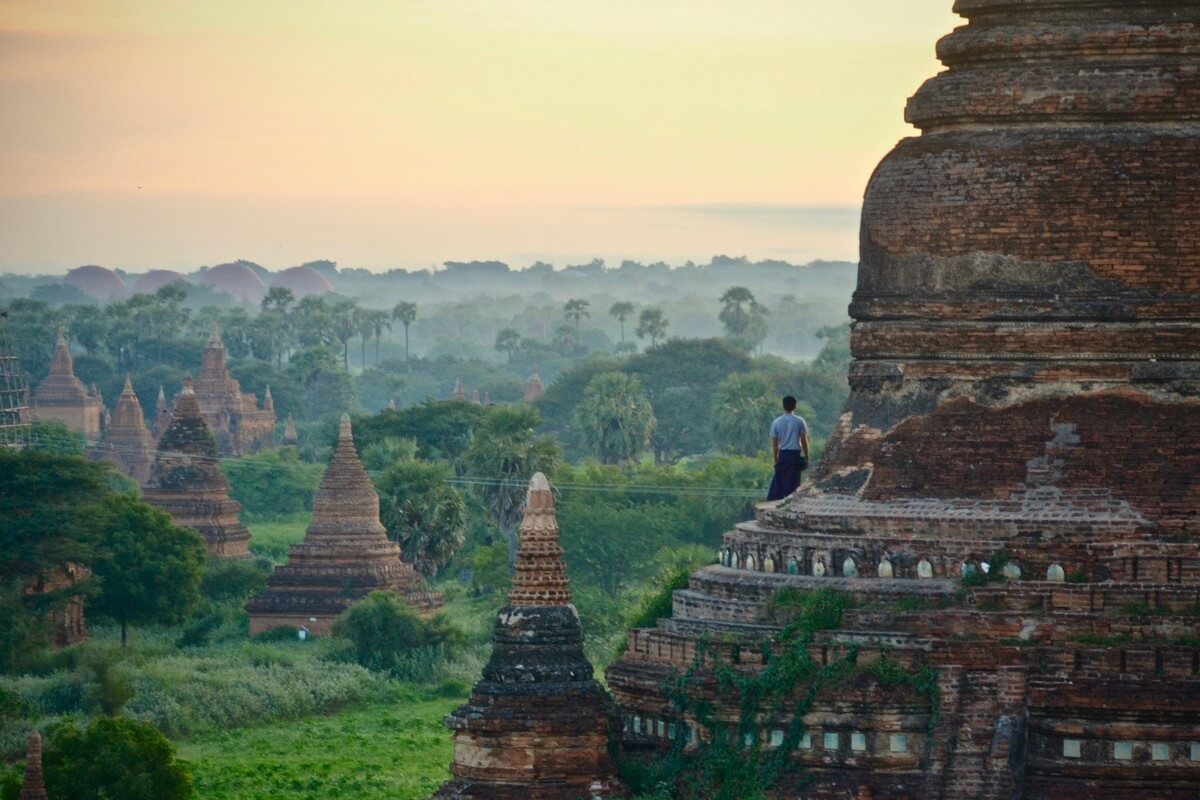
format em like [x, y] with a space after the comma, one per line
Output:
[387, 635]
[233, 580]
[113, 758]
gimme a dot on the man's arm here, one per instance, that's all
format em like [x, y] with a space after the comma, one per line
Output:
[775, 448]
[804, 442]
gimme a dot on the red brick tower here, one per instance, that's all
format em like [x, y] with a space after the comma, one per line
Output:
[1024, 411]
[536, 726]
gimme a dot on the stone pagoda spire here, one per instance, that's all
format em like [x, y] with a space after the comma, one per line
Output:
[345, 555]
[188, 484]
[475, 397]
[33, 787]
[536, 725]
[61, 397]
[128, 444]
[290, 436]
[268, 401]
[162, 415]
[534, 390]
[459, 392]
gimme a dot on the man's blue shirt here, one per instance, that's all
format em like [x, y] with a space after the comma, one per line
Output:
[787, 429]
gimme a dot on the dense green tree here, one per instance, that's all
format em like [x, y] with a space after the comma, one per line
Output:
[381, 454]
[576, 310]
[380, 321]
[48, 508]
[622, 311]
[743, 408]
[272, 483]
[278, 298]
[680, 378]
[87, 326]
[149, 569]
[652, 325]
[503, 456]
[508, 340]
[441, 428]
[326, 388]
[423, 512]
[382, 629]
[612, 546]
[113, 758]
[314, 323]
[615, 417]
[407, 314]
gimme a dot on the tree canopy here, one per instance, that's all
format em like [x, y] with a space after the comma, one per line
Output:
[615, 417]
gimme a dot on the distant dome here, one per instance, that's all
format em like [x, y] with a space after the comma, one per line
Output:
[236, 279]
[303, 281]
[155, 279]
[99, 282]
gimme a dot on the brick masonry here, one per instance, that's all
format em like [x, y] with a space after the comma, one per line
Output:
[1025, 385]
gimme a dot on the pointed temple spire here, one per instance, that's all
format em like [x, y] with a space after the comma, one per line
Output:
[233, 416]
[268, 400]
[188, 484]
[345, 555]
[289, 431]
[534, 390]
[61, 397]
[128, 444]
[541, 577]
[475, 397]
[536, 725]
[459, 392]
[33, 787]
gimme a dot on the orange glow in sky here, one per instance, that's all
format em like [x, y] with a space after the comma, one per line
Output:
[384, 133]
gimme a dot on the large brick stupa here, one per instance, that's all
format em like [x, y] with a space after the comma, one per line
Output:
[188, 484]
[1024, 413]
[536, 725]
[345, 555]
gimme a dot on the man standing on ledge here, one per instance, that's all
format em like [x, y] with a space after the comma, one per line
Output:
[789, 439]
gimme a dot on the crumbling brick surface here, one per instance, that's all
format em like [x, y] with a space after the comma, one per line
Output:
[1012, 495]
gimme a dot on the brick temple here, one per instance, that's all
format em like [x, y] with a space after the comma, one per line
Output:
[233, 416]
[127, 443]
[536, 725]
[188, 484]
[1025, 412]
[61, 397]
[345, 555]
[33, 783]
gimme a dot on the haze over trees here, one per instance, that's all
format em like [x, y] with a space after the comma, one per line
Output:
[657, 393]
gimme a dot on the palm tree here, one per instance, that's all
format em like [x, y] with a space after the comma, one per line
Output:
[381, 321]
[622, 311]
[615, 417]
[575, 310]
[278, 298]
[345, 325]
[366, 329]
[423, 512]
[653, 324]
[739, 306]
[504, 454]
[507, 341]
[407, 314]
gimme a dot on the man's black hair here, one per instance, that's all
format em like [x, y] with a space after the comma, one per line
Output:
[789, 403]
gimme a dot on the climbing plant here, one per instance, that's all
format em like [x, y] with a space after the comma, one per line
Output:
[731, 762]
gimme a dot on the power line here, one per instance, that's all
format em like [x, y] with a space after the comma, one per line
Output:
[65, 445]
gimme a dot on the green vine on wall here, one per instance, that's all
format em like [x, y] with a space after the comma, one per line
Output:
[734, 763]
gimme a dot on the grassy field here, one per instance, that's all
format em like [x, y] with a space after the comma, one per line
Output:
[398, 750]
[271, 539]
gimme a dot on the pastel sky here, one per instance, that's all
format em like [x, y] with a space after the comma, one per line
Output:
[384, 133]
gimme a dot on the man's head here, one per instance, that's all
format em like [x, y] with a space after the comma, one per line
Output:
[789, 403]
